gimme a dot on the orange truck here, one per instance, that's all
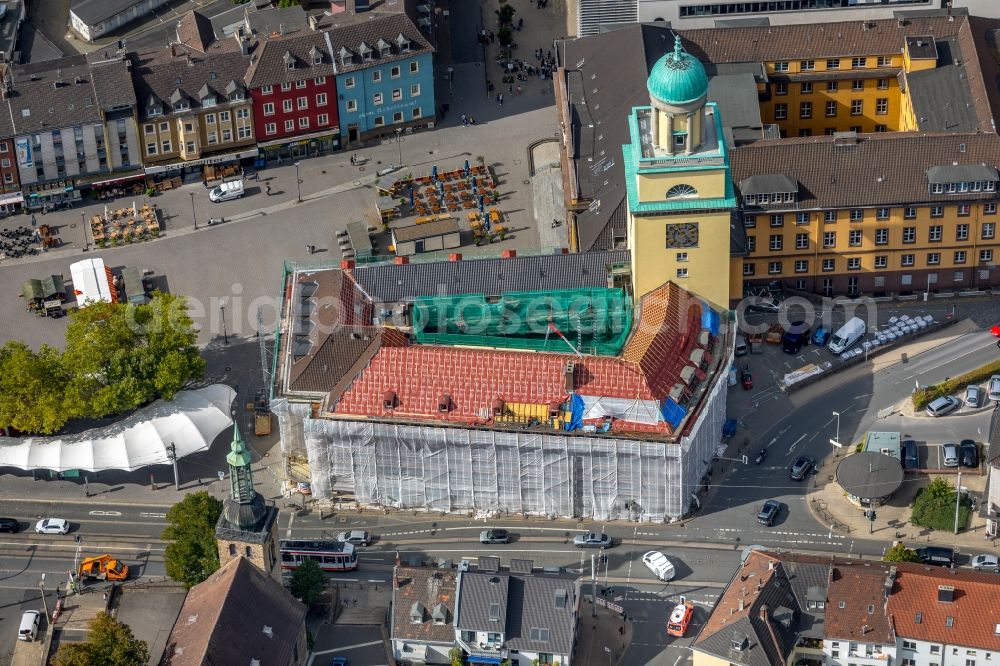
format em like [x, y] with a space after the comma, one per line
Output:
[103, 567]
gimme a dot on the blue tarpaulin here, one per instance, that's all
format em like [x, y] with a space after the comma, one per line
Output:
[672, 413]
[710, 319]
[576, 411]
[475, 659]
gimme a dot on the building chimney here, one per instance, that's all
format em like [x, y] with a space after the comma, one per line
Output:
[346, 264]
[401, 260]
[313, 21]
[455, 256]
[741, 605]
[508, 254]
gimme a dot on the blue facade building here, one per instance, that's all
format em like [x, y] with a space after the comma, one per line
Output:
[385, 77]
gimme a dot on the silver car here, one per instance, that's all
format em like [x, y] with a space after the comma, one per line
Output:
[355, 537]
[942, 406]
[986, 562]
[950, 451]
[973, 395]
[592, 540]
[994, 388]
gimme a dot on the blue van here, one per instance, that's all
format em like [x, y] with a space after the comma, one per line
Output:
[821, 336]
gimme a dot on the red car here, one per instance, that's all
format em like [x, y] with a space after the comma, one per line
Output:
[746, 378]
[995, 330]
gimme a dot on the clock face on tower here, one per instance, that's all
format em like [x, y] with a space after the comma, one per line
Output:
[682, 235]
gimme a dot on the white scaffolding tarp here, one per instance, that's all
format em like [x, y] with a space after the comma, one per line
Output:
[636, 411]
[191, 422]
[450, 468]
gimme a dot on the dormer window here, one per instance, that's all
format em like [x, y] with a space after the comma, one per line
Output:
[365, 51]
[180, 106]
[289, 60]
[315, 56]
[769, 190]
[384, 50]
[403, 43]
[234, 91]
[346, 56]
[154, 110]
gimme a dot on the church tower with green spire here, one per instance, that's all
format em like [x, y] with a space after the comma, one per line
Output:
[246, 526]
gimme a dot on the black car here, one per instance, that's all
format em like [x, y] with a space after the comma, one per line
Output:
[968, 453]
[801, 468]
[795, 337]
[911, 459]
[769, 512]
[942, 557]
[9, 525]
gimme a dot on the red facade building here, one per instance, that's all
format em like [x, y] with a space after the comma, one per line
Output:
[293, 85]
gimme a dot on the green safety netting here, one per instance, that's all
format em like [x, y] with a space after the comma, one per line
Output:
[593, 321]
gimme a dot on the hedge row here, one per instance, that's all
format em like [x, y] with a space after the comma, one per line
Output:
[923, 396]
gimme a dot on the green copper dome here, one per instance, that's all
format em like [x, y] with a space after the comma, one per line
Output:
[678, 77]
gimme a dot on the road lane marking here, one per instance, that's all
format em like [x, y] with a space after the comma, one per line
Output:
[144, 514]
[795, 443]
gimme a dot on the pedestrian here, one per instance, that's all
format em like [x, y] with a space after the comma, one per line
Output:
[472, 120]
[501, 99]
[492, 37]
[520, 24]
[309, 249]
[33, 221]
[267, 189]
[519, 90]
[510, 88]
[465, 120]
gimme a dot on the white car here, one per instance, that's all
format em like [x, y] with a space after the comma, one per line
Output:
[993, 388]
[356, 537]
[659, 565]
[52, 526]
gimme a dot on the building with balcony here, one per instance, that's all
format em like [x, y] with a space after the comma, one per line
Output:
[785, 608]
[195, 112]
[870, 167]
[523, 616]
[73, 123]
[612, 410]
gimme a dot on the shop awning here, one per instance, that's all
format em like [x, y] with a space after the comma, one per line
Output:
[211, 159]
[124, 179]
[11, 198]
[331, 132]
[190, 422]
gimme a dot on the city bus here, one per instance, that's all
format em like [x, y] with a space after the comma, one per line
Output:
[331, 555]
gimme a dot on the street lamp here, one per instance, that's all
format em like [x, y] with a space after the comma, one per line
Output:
[399, 144]
[298, 185]
[222, 311]
[83, 230]
[193, 214]
[45, 604]
[836, 441]
[608, 650]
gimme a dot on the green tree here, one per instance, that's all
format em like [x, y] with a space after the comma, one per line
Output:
[289, 3]
[31, 388]
[121, 356]
[308, 582]
[192, 556]
[109, 643]
[934, 507]
[900, 553]
[505, 15]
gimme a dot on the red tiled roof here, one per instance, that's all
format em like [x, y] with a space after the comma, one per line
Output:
[419, 375]
[975, 612]
[863, 617]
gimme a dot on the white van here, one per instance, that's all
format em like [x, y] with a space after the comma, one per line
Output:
[226, 191]
[29, 626]
[847, 335]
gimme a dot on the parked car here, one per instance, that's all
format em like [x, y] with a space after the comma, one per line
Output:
[821, 336]
[494, 536]
[986, 562]
[9, 525]
[949, 451]
[746, 379]
[968, 453]
[937, 555]
[52, 526]
[944, 405]
[770, 305]
[801, 468]
[28, 630]
[995, 330]
[769, 512]
[742, 347]
[993, 389]
[911, 457]
[973, 395]
[227, 191]
[796, 336]
[847, 335]
[592, 540]
[355, 537]
[680, 618]
[338, 661]
[659, 565]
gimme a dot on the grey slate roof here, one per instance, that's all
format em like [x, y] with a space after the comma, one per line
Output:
[768, 183]
[605, 77]
[736, 95]
[385, 26]
[159, 73]
[112, 80]
[427, 230]
[36, 105]
[269, 68]
[808, 583]
[93, 12]
[392, 283]
[527, 601]
[941, 98]
[264, 22]
[958, 173]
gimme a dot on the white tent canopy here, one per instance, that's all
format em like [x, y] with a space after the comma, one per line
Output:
[191, 421]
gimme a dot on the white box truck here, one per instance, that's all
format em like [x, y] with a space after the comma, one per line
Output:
[847, 335]
[226, 191]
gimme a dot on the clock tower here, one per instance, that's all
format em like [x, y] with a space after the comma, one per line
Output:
[680, 192]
